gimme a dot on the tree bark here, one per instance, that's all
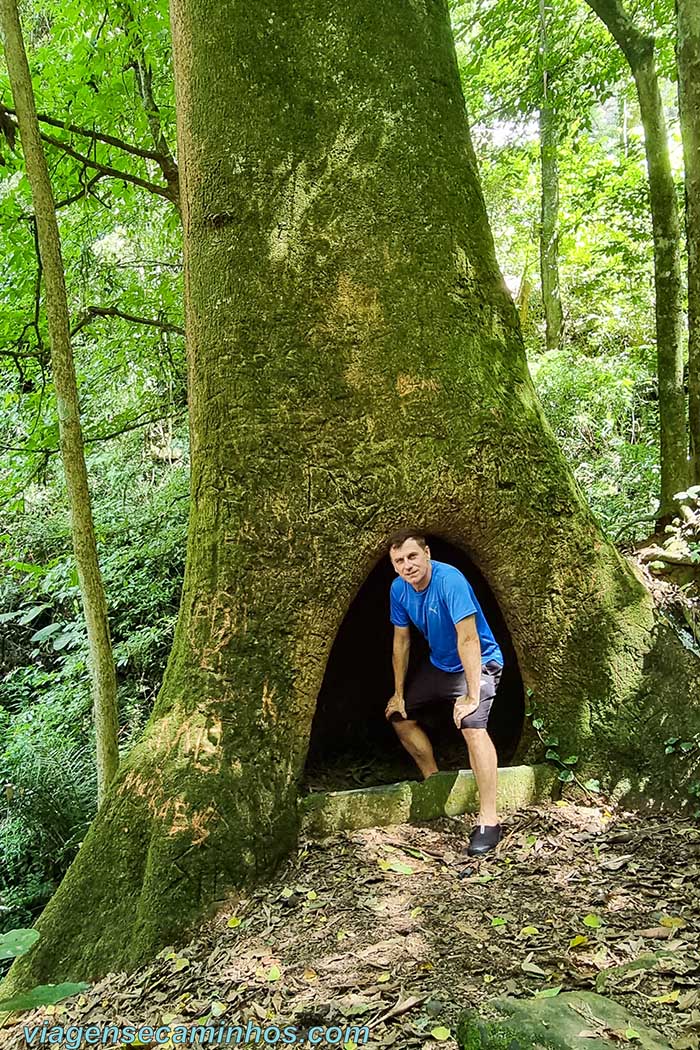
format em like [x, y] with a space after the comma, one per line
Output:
[688, 55]
[355, 362]
[549, 213]
[103, 675]
[639, 52]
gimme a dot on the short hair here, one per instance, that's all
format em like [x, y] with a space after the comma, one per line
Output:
[398, 538]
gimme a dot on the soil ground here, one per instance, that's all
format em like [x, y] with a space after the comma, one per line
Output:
[396, 929]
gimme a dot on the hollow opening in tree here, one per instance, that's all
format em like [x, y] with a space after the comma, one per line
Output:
[351, 743]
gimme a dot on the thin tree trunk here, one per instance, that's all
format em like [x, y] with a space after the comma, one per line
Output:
[688, 54]
[549, 215]
[639, 52]
[104, 683]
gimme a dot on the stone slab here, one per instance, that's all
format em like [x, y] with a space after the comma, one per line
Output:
[568, 1021]
[324, 813]
[444, 794]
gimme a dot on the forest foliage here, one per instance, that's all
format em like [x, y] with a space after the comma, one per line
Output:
[103, 82]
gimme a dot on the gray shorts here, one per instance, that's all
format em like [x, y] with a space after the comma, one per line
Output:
[430, 687]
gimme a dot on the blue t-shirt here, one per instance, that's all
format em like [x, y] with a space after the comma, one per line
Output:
[446, 600]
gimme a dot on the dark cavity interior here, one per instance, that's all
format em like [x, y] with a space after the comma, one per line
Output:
[351, 743]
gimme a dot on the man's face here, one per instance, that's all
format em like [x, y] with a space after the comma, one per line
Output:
[412, 563]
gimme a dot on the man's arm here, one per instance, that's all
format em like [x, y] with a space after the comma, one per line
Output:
[469, 649]
[399, 661]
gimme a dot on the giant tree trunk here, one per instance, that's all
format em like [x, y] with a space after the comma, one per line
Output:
[688, 53]
[102, 671]
[638, 49]
[355, 362]
[549, 207]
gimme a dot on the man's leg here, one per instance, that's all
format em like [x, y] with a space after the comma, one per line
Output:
[484, 763]
[417, 743]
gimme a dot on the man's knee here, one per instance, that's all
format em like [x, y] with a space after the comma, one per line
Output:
[474, 735]
[403, 726]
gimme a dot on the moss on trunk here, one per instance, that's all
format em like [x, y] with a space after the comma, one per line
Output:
[355, 361]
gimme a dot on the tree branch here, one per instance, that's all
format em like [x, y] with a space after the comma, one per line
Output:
[93, 312]
[105, 169]
[84, 191]
[634, 44]
[144, 83]
[90, 439]
[109, 140]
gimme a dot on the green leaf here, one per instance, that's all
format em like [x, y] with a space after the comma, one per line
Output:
[592, 785]
[566, 776]
[498, 920]
[31, 614]
[43, 995]
[440, 1033]
[233, 922]
[45, 632]
[274, 974]
[551, 756]
[17, 942]
[578, 941]
[529, 931]
[548, 993]
[593, 921]
[571, 760]
[537, 723]
[397, 866]
[632, 1033]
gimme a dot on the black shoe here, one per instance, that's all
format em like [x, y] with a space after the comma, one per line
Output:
[483, 838]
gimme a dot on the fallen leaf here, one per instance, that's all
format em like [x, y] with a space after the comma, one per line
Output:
[687, 1042]
[548, 993]
[396, 866]
[674, 922]
[578, 941]
[440, 1033]
[274, 973]
[529, 931]
[533, 968]
[671, 997]
[384, 977]
[593, 921]
[233, 922]
[615, 863]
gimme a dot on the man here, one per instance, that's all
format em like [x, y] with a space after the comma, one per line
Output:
[463, 670]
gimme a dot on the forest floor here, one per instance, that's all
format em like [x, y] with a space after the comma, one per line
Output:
[396, 929]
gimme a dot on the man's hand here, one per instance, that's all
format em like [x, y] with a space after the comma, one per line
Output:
[397, 705]
[464, 706]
